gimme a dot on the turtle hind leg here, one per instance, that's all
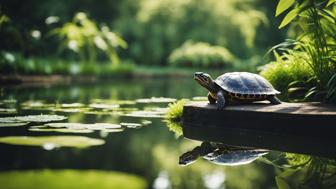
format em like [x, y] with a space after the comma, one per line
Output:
[273, 100]
[221, 102]
[211, 100]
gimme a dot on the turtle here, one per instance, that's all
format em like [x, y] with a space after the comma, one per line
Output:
[222, 154]
[237, 87]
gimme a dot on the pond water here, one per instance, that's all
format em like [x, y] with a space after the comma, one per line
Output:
[112, 135]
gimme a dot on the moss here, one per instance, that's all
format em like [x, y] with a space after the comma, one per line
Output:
[173, 117]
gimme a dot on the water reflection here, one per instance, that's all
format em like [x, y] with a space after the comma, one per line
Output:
[222, 154]
[144, 148]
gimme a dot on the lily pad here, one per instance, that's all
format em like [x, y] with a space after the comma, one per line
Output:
[72, 105]
[52, 141]
[37, 105]
[156, 100]
[104, 106]
[39, 118]
[108, 101]
[131, 125]
[13, 124]
[71, 110]
[145, 122]
[7, 111]
[76, 127]
[199, 98]
[145, 114]
[61, 130]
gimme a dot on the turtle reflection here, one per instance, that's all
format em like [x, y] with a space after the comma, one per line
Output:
[222, 154]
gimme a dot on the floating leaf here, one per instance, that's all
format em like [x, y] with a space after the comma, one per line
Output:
[199, 98]
[61, 130]
[40, 118]
[112, 130]
[143, 113]
[131, 125]
[67, 178]
[108, 101]
[145, 122]
[156, 100]
[72, 105]
[104, 106]
[14, 124]
[7, 110]
[37, 105]
[76, 127]
[70, 110]
[55, 141]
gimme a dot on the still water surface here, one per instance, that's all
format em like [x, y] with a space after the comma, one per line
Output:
[117, 139]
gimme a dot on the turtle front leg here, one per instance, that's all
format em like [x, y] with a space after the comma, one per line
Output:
[211, 100]
[220, 100]
[273, 100]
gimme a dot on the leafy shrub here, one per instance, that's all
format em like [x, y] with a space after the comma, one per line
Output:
[201, 55]
[287, 69]
[84, 37]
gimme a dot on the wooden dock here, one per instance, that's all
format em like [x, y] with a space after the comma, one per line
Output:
[308, 128]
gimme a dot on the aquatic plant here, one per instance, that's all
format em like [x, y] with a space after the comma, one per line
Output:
[173, 117]
[316, 43]
[84, 37]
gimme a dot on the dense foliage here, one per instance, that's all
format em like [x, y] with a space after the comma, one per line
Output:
[152, 29]
[201, 55]
[314, 46]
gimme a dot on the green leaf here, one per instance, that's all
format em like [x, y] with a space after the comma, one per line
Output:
[289, 17]
[281, 183]
[331, 2]
[283, 5]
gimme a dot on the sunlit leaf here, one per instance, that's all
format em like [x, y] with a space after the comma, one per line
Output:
[156, 100]
[143, 113]
[289, 17]
[72, 105]
[113, 101]
[104, 106]
[61, 130]
[7, 110]
[52, 141]
[283, 5]
[330, 2]
[32, 118]
[131, 125]
[14, 124]
[40, 118]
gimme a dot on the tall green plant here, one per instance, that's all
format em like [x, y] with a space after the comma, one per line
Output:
[84, 37]
[317, 23]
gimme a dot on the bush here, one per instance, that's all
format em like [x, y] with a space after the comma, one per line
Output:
[155, 28]
[201, 55]
[287, 69]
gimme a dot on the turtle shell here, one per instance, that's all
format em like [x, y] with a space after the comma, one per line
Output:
[245, 83]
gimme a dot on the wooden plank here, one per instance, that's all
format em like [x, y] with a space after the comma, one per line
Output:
[293, 127]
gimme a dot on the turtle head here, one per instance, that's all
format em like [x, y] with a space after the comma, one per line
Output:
[188, 158]
[205, 80]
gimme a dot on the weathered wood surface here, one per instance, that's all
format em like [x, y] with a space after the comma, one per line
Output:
[308, 128]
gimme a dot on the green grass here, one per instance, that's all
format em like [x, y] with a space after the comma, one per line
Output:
[70, 179]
